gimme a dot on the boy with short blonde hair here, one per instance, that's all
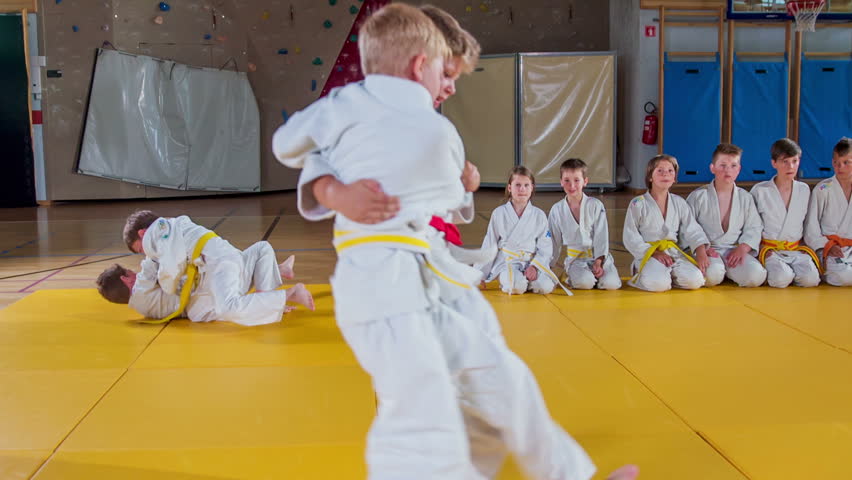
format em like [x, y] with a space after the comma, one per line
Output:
[581, 233]
[729, 218]
[393, 286]
[828, 225]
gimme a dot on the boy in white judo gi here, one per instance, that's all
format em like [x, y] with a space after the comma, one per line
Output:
[828, 225]
[223, 275]
[581, 233]
[417, 349]
[783, 203]
[729, 218]
[651, 229]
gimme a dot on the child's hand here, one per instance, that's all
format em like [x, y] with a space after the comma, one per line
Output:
[835, 251]
[364, 201]
[482, 285]
[531, 273]
[663, 258]
[597, 267]
[470, 177]
[711, 252]
[735, 258]
[702, 259]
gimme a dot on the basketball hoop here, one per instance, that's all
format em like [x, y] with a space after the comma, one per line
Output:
[805, 12]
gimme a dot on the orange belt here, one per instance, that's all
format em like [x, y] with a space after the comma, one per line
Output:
[767, 245]
[832, 241]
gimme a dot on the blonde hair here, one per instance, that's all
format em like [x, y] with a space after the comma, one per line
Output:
[519, 170]
[392, 36]
[460, 41]
[652, 165]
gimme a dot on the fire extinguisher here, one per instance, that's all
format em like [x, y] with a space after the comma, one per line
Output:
[649, 130]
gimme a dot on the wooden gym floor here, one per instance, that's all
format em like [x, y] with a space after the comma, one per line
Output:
[720, 383]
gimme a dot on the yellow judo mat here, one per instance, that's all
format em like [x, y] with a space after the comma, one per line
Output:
[721, 383]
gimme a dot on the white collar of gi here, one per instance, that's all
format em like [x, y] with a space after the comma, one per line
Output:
[398, 92]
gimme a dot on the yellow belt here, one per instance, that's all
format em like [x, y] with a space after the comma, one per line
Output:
[409, 242]
[191, 271]
[662, 246]
[570, 252]
[510, 256]
[768, 245]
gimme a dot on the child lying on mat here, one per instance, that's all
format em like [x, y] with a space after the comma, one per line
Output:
[189, 271]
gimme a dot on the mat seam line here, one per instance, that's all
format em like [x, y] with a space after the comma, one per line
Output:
[796, 329]
[651, 391]
[95, 405]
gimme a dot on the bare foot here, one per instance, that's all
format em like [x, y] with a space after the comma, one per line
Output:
[286, 267]
[627, 472]
[288, 308]
[299, 294]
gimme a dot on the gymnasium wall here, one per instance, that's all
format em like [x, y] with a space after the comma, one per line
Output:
[639, 60]
[254, 32]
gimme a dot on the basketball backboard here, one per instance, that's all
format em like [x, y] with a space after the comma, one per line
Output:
[777, 10]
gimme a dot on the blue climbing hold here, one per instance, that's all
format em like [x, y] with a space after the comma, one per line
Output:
[353, 38]
[284, 114]
[327, 24]
[165, 7]
[332, 2]
[339, 68]
[207, 36]
[75, 28]
[58, 2]
[313, 85]
[283, 51]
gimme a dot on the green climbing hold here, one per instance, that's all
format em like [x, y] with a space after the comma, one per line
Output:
[332, 2]
[317, 61]
[353, 9]
[353, 38]
[327, 24]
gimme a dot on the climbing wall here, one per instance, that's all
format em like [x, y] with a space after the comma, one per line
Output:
[287, 48]
[292, 50]
[347, 68]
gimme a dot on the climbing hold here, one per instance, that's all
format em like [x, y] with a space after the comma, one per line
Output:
[221, 38]
[467, 9]
[483, 7]
[264, 15]
[282, 51]
[317, 61]
[332, 2]
[58, 2]
[158, 20]
[164, 7]
[298, 50]
[327, 24]
[339, 68]
[284, 114]
[207, 36]
[353, 38]
[75, 28]
[252, 67]
[353, 9]
[313, 85]
[105, 27]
